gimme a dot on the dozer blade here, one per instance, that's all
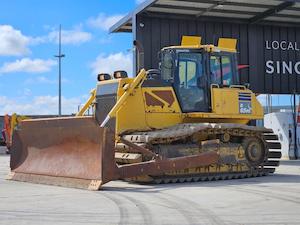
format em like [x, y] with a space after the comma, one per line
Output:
[77, 152]
[63, 151]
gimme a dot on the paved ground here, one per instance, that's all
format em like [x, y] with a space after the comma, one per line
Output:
[2, 150]
[268, 200]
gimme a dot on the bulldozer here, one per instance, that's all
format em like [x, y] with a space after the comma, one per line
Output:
[189, 120]
[9, 124]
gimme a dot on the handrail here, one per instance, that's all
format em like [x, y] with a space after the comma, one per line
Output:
[238, 86]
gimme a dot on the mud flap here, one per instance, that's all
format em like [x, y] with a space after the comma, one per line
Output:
[69, 152]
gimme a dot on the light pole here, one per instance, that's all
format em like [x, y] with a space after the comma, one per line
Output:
[59, 56]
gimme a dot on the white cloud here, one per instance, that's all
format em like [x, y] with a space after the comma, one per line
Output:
[27, 92]
[112, 62]
[28, 65]
[104, 22]
[13, 42]
[40, 80]
[44, 80]
[73, 36]
[39, 105]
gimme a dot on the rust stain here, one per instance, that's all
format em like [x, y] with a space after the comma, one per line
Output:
[166, 96]
[151, 101]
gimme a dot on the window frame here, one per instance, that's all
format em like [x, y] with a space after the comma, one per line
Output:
[186, 70]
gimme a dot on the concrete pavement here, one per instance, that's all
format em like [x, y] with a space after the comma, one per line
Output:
[264, 200]
[2, 150]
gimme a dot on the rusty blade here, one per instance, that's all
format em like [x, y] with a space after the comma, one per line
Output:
[71, 148]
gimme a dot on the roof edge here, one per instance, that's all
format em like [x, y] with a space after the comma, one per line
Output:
[128, 18]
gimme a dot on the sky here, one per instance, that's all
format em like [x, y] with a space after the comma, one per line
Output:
[29, 41]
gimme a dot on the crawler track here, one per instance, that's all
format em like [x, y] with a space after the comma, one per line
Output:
[182, 132]
[213, 177]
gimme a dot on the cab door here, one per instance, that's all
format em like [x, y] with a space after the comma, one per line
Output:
[191, 83]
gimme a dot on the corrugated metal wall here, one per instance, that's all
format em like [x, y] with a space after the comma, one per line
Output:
[156, 33]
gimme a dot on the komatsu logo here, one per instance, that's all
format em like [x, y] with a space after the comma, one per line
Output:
[283, 67]
[245, 106]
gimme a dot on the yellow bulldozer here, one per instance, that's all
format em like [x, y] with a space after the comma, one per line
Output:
[186, 121]
[9, 125]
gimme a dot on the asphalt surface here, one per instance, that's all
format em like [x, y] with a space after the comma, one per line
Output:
[2, 150]
[265, 200]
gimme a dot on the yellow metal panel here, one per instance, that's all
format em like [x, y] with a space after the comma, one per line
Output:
[131, 116]
[227, 43]
[163, 120]
[191, 41]
[225, 101]
[164, 115]
[226, 104]
[136, 115]
[129, 112]
[129, 90]
[212, 118]
[155, 92]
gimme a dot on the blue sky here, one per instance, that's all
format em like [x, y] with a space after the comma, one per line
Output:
[28, 42]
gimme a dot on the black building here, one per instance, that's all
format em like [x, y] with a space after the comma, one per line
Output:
[268, 33]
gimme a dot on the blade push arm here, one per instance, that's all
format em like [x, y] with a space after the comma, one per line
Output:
[128, 91]
[88, 103]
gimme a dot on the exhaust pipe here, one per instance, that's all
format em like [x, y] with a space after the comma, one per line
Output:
[140, 54]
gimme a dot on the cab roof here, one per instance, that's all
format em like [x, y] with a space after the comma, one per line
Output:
[208, 48]
[194, 42]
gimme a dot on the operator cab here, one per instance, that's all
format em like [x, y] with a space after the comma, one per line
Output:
[193, 69]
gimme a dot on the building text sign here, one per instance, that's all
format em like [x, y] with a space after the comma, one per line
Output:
[283, 67]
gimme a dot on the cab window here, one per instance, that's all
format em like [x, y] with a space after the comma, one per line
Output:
[215, 68]
[221, 70]
[167, 66]
[187, 73]
[227, 70]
